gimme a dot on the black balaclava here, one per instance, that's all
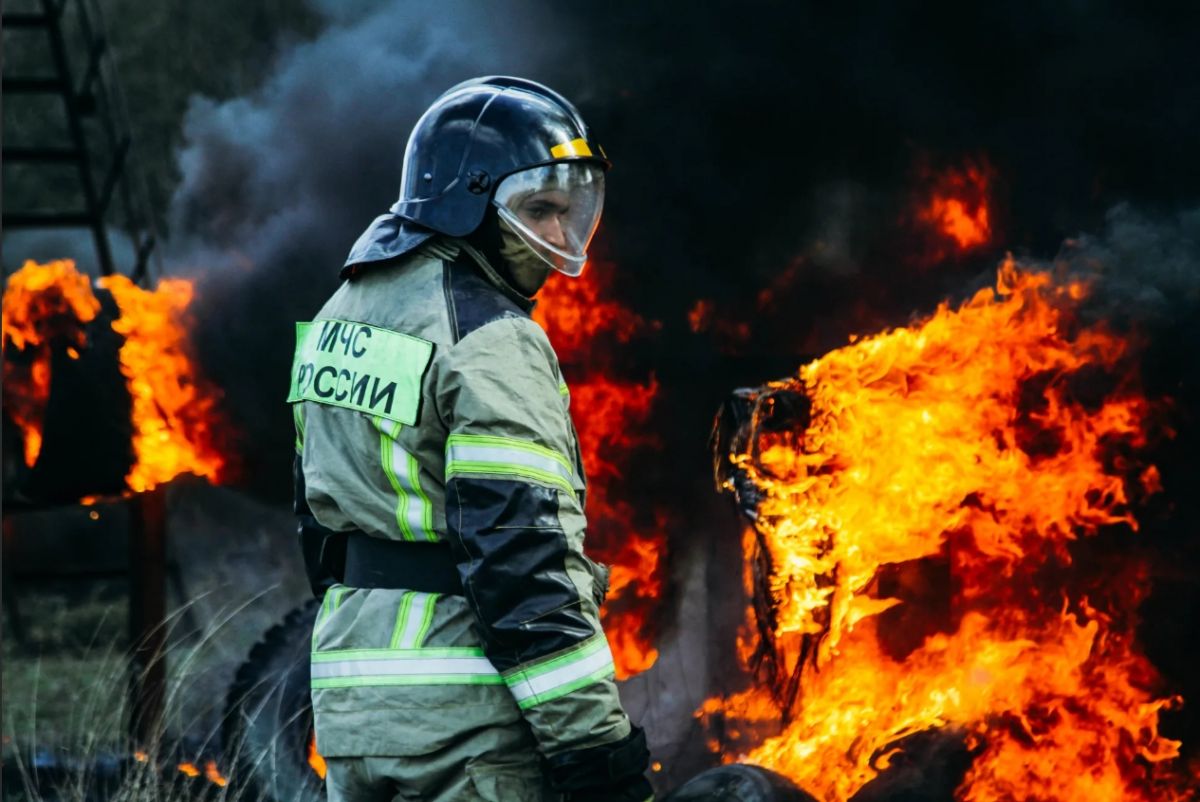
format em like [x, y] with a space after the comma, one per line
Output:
[505, 250]
[488, 240]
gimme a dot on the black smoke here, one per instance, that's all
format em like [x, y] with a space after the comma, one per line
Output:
[747, 140]
[277, 185]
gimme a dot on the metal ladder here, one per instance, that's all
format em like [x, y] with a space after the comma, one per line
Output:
[97, 124]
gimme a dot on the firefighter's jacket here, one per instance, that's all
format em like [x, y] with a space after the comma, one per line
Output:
[433, 409]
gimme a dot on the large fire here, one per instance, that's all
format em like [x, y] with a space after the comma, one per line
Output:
[610, 414]
[974, 453]
[173, 408]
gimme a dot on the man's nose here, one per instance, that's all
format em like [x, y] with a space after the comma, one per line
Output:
[552, 232]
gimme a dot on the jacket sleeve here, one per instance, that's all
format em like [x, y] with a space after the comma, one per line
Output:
[324, 550]
[515, 522]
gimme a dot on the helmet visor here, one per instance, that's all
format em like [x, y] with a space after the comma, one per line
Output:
[555, 209]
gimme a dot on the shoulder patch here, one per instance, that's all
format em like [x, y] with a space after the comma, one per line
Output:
[365, 368]
[471, 300]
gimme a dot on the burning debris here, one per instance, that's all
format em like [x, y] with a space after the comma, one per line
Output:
[942, 516]
[42, 303]
[957, 207]
[612, 427]
[49, 306]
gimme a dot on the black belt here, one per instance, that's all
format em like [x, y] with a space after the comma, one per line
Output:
[375, 562]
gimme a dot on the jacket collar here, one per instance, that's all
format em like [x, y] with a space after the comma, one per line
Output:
[389, 237]
[494, 278]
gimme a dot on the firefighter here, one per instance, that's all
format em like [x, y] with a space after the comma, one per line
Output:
[458, 653]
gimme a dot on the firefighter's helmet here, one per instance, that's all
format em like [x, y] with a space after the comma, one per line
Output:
[513, 143]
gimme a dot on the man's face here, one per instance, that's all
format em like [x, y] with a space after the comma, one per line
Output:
[556, 208]
[544, 211]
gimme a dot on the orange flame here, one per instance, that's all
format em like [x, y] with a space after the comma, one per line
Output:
[213, 774]
[574, 312]
[610, 415]
[314, 757]
[958, 208]
[960, 439]
[189, 769]
[41, 303]
[173, 409]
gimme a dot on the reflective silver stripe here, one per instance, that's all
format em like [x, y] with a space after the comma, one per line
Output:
[411, 631]
[529, 687]
[417, 512]
[414, 513]
[395, 666]
[505, 456]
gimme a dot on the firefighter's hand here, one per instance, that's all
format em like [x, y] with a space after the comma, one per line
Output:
[609, 773]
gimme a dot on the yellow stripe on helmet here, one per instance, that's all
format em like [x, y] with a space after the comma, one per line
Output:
[576, 147]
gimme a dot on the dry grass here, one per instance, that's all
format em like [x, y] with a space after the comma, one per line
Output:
[66, 708]
[236, 571]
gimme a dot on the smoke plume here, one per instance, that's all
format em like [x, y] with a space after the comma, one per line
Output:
[277, 185]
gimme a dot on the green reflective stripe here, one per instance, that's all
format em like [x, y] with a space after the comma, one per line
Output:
[594, 644]
[326, 655]
[365, 368]
[491, 468]
[563, 389]
[298, 417]
[323, 613]
[413, 618]
[332, 600]
[401, 619]
[412, 664]
[559, 691]
[414, 513]
[426, 620]
[414, 475]
[490, 441]
[362, 667]
[586, 664]
[407, 679]
[507, 457]
[385, 456]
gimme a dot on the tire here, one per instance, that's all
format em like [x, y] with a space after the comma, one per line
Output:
[268, 715]
[738, 783]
